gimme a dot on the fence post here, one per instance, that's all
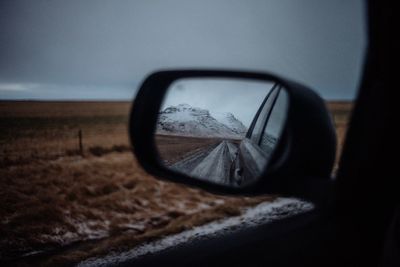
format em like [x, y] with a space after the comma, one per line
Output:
[80, 142]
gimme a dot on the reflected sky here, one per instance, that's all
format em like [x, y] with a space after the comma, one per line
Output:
[240, 97]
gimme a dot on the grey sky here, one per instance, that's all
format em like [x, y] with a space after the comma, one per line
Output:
[242, 98]
[103, 49]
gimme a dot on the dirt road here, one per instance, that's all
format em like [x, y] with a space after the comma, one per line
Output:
[211, 163]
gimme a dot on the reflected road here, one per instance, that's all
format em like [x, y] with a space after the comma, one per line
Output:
[211, 163]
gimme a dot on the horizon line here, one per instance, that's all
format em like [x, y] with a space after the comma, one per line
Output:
[119, 100]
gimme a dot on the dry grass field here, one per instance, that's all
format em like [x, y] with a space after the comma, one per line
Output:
[56, 199]
[49, 130]
[174, 148]
[341, 112]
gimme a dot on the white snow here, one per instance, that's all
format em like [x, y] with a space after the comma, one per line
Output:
[215, 166]
[186, 120]
[231, 121]
[263, 213]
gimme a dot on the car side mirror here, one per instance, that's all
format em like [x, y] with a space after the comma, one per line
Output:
[231, 132]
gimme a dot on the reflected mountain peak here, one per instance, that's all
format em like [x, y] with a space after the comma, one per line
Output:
[231, 121]
[186, 120]
[184, 108]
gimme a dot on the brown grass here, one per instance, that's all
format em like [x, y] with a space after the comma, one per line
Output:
[174, 148]
[52, 197]
[341, 112]
[49, 130]
[75, 199]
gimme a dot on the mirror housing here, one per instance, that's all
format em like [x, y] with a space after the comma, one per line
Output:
[304, 153]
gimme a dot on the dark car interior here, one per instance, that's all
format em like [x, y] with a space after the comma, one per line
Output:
[355, 222]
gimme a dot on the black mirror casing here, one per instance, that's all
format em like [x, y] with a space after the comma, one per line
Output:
[305, 154]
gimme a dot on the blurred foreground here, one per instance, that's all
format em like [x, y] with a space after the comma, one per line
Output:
[60, 193]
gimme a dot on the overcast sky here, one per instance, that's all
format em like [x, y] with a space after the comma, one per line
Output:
[242, 98]
[96, 49]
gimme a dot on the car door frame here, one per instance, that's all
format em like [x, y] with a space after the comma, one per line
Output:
[353, 229]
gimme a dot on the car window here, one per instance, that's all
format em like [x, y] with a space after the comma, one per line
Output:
[262, 117]
[273, 126]
[69, 71]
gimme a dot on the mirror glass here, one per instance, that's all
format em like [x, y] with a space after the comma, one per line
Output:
[221, 130]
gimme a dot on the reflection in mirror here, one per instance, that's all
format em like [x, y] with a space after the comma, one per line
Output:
[220, 130]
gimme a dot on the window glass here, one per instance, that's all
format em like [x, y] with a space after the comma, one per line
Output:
[274, 124]
[69, 71]
[266, 109]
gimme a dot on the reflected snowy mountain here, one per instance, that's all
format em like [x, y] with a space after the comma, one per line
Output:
[186, 120]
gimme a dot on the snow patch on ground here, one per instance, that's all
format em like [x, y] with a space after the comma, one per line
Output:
[265, 212]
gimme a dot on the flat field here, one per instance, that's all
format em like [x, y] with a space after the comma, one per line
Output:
[76, 203]
[174, 148]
